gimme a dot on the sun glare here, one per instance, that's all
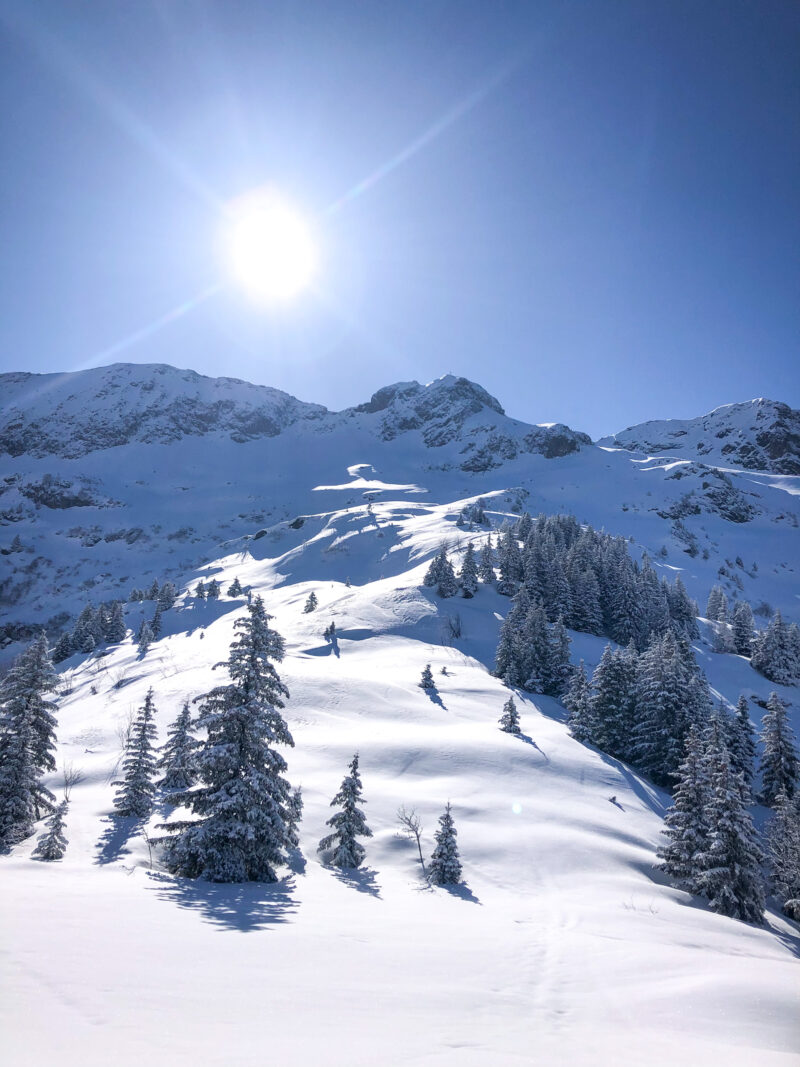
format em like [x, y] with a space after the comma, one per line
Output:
[269, 247]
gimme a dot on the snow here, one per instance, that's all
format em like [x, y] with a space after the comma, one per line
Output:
[563, 946]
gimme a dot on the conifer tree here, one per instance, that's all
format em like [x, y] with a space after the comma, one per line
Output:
[742, 748]
[155, 623]
[559, 669]
[235, 588]
[509, 720]
[295, 810]
[717, 605]
[200, 590]
[468, 578]
[730, 862]
[578, 702]
[27, 742]
[213, 590]
[780, 765]
[347, 824]
[783, 852]
[773, 652]
[685, 824]
[445, 866]
[743, 628]
[167, 595]
[64, 648]
[115, 631]
[53, 844]
[243, 802]
[427, 682]
[329, 633]
[137, 788]
[447, 585]
[86, 635]
[144, 638]
[614, 702]
[486, 563]
[311, 603]
[152, 592]
[177, 754]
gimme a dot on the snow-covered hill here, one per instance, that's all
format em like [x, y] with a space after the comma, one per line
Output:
[564, 945]
[761, 435]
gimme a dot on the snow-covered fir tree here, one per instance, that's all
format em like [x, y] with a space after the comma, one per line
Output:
[87, 634]
[144, 637]
[426, 681]
[440, 574]
[311, 603]
[27, 742]
[730, 861]
[559, 669]
[52, 844]
[64, 648]
[743, 628]
[578, 701]
[468, 577]
[153, 591]
[783, 852]
[167, 595]
[295, 810]
[243, 804]
[213, 590]
[780, 765]
[235, 588]
[115, 630]
[486, 563]
[613, 714]
[200, 590]
[348, 824]
[775, 654]
[177, 754]
[742, 747]
[445, 865]
[509, 720]
[137, 788]
[685, 824]
[155, 622]
[717, 606]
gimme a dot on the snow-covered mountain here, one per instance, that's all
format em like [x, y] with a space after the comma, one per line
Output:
[565, 945]
[760, 435]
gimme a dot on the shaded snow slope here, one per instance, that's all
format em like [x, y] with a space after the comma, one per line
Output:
[760, 435]
[564, 946]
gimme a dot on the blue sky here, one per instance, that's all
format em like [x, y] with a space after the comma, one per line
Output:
[591, 208]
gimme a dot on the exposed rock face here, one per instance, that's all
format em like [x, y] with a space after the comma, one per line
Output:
[758, 435]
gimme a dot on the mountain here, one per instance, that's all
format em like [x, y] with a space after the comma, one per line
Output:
[761, 435]
[564, 943]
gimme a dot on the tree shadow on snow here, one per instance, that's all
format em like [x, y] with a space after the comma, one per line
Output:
[650, 795]
[243, 906]
[360, 878]
[789, 938]
[119, 830]
[462, 891]
[529, 741]
[433, 696]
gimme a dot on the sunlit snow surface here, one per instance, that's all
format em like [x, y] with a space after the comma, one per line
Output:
[563, 946]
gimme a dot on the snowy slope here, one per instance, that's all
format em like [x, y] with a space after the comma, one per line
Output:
[760, 435]
[564, 945]
[206, 462]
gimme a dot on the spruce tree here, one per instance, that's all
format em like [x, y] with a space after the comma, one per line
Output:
[743, 628]
[27, 742]
[559, 669]
[200, 590]
[685, 824]
[53, 844]
[742, 748]
[167, 595]
[509, 720]
[144, 637]
[783, 852]
[155, 623]
[447, 585]
[773, 652]
[177, 754]
[486, 563]
[614, 701]
[730, 862]
[780, 766]
[578, 702]
[115, 629]
[311, 603]
[468, 578]
[347, 824]
[243, 801]
[235, 588]
[426, 681]
[445, 866]
[213, 590]
[137, 788]
[64, 648]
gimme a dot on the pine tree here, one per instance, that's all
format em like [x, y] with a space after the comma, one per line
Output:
[773, 652]
[559, 669]
[27, 742]
[155, 623]
[486, 563]
[329, 633]
[686, 827]
[295, 810]
[115, 631]
[137, 788]
[663, 709]
[213, 590]
[177, 754]
[613, 712]
[167, 595]
[447, 584]
[53, 844]
[244, 802]
[427, 682]
[445, 867]
[434, 571]
[311, 603]
[743, 628]
[347, 824]
[152, 592]
[200, 590]
[780, 765]
[235, 588]
[730, 862]
[578, 702]
[468, 578]
[783, 853]
[86, 635]
[64, 648]
[717, 604]
[742, 748]
[144, 638]
[509, 720]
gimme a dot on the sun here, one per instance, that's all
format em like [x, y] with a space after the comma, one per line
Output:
[268, 246]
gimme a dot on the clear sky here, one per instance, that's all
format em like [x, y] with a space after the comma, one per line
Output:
[591, 208]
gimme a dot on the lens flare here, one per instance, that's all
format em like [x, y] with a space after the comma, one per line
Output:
[269, 248]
